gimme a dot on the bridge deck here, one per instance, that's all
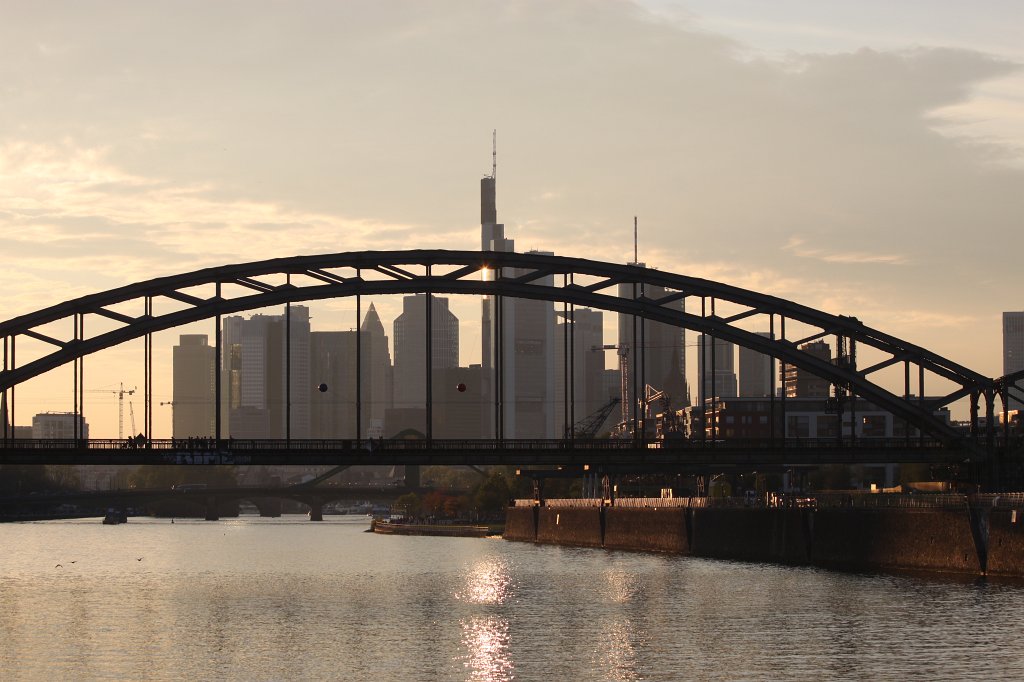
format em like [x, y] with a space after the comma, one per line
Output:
[482, 452]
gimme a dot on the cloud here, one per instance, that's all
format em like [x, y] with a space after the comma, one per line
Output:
[797, 246]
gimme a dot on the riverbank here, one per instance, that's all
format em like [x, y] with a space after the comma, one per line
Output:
[978, 535]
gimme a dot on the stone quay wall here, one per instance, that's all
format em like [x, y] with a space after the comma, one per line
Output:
[980, 536]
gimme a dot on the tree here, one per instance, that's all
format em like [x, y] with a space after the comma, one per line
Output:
[409, 504]
[492, 495]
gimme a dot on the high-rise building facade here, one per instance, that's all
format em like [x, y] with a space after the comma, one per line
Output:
[332, 368]
[755, 375]
[718, 365]
[377, 375]
[194, 367]
[650, 353]
[579, 374]
[799, 383]
[526, 343]
[266, 375]
[410, 329]
[1013, 349]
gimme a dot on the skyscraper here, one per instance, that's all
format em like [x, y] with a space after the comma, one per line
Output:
[799, 383]
[411, 347]
[1013, 348]
[718, 365]
[755, 376]
[528, 329]
[332, 364]
[586, 389]
[256, 365]
[377, 384]
[194, 369]
[654, 355]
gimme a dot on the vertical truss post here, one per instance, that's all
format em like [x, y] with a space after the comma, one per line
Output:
[430, 365]
[974, 416]
[572, 367]
[499, 361]
[635, 398]
[10, 405]
[771, 380]
[566, 424]
[359, 361]
[852, 366]
[702, 391]
[989, 420]
[219, 378]
[147, 380]
[642, 395]
[81, 379]
[920, 399]
[288, 370]
[714, 384]
[1004, 394]
[906, 397]
[840, 389]
[3, 397]
[76, 416]
[785, 389]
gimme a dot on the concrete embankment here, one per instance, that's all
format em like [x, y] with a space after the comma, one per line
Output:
[950, 534]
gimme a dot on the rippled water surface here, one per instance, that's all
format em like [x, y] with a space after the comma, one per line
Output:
[272, 599]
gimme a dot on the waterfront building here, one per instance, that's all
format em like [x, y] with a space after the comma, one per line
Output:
[194, 368]
[755, 372]
[1013, 348]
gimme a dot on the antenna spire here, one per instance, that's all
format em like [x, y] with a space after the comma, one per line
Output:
[636, 256]
[494, 154]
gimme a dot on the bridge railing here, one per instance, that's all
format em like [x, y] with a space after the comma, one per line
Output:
[466, 444]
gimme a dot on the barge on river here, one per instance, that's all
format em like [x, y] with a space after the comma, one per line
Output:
[440, 530]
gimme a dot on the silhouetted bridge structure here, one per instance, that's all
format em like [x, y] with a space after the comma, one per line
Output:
[203, 499]
[865, 364]
[604, 452]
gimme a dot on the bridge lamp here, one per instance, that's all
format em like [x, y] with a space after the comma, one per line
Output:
[487, 274]
[461, 388]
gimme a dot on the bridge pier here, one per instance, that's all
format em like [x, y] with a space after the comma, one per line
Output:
[316, 511]
[212, 512]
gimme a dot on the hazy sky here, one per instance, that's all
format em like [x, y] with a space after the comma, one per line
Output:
[865, 158]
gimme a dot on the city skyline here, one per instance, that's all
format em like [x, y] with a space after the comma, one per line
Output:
[849, 165]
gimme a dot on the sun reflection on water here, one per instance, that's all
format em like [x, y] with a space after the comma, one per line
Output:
[486, 639]
[488, 582]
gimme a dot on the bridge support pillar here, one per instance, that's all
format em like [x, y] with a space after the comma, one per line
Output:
[212, 513]
[316, 511]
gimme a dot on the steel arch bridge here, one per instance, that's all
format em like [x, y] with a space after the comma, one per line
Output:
[168, 302]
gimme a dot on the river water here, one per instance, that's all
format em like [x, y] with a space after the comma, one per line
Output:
[276, 599]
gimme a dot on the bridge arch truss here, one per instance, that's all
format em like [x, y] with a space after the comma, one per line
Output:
[169, 302]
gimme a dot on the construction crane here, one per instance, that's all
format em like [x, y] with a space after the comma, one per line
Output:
[624, 375]
[669, 420]
[120, 393]
[589, 425]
